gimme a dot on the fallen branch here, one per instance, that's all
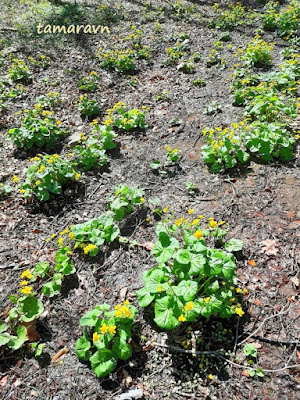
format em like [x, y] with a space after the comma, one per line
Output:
[216, 353]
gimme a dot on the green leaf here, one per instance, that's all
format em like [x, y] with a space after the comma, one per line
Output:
[121, 349]
[13, 313]
[39, 350]
[65, 267]
[3, 326]
[21, 332]
[30, 308]
[164, 313]
[259, 372]
[41, 269]
[164, 239]
[90, 318]
[234, 245]
[250, 350]
[144, 297]
[165, 255]
[183, 256]
[154, 281]
[251, 373]
[103, 362]
[242, 156]
[17, 341]
[4, 338]
[187, 289]
[51, 288]
[155, 165]
[102, 307]
[197, 264]
[82, 348]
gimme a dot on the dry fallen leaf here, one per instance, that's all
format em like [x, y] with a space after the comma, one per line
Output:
[147, 245]
[123, 293]
[290, 214]
[61, 352]
[3, 381]
[271, 247]
[31, 333]
[252, 262]
[295, 281]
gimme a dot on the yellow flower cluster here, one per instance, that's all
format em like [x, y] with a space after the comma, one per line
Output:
[89, 248]
[123, 311]
[25, 276]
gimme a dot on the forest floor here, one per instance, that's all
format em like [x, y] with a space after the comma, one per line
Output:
[260, 202]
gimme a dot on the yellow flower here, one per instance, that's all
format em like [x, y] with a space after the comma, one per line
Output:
[126, 302]
[210, 376]
[196, 221]
[89, 248]
[77, 176]
[213, 223]
[189, 306]
[96, 337]
[26, 290]
[60, 241]
[22, 190]
[181, 318]
[165, 209]
[159, 289]
[126, 311]
[23, 283]
[26, 274]
[112, 329]
[177, 222]
[41, 169]
[201, 217]
[37, 183]
[191, 211]
[198, 234]
[245, 291]
[72, 236]
[64, 232]
[238, 290]
[15, 179]
[104, 328]
[239, 311]
[142, 199]
[58, 122]
[207, 299]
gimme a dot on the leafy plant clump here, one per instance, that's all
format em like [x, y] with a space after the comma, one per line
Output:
[171, 160]
[91, 235]
[258, 53]
[47, 176]
[89, 83]
[27, 308]
[121, 118]
[105, 337]
[88, 107]
[125, 200]
[5, 191]
[269, 141]
[191, 278]
[38, 128]
[18, 71]
[224, 148]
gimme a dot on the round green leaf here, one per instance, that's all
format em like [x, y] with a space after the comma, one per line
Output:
[121, 349]
[103, 362]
